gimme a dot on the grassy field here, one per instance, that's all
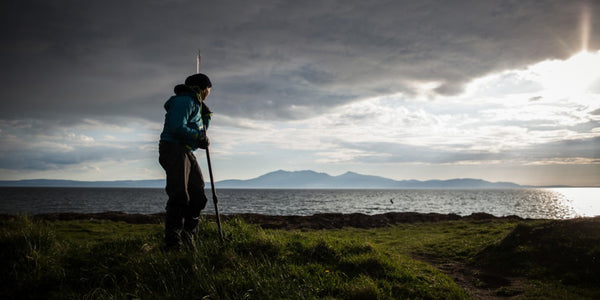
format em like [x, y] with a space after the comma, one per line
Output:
[98, 259]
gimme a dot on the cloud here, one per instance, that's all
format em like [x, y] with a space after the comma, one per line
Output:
[535, 98]
[59, 155]
[582, 151]
[390, 130]
[267, 59]
[27, 147]
[424, 82]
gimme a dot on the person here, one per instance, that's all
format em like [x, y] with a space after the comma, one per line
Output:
[184, 131]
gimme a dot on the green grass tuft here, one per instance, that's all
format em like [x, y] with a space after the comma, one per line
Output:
[103, 259]
[96, 259]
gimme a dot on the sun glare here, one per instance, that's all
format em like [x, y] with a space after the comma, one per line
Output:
[570, 77]
[585, 27]
[574, 76]
[584, 201]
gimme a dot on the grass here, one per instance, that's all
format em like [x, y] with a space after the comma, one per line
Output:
[104, 259]
[566, 252]
[115, 260]
[442, 241]
[548, 259]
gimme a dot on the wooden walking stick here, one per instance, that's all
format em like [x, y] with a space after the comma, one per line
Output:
[210, 172]
[214, 194]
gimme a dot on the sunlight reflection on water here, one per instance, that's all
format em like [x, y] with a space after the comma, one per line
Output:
[585, 202]
[526, 203]
[554, 203]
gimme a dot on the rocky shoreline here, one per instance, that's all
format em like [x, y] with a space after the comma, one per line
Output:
[317, 221]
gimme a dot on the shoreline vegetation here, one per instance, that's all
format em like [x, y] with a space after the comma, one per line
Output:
[316, 221]
[114, 255]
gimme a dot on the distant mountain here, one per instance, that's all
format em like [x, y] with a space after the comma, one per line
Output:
[286, 180]
[349, 180]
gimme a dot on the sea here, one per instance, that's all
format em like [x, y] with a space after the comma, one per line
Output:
[537, 203]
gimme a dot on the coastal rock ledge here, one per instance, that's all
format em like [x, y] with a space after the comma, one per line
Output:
[317, 221]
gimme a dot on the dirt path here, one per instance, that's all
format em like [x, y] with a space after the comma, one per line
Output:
[478, 283]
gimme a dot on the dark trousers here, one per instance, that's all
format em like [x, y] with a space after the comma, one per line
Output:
[185, 188]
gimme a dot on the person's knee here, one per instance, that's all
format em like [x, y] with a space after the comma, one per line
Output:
[175, 214]
[197, 199]
[179, 197]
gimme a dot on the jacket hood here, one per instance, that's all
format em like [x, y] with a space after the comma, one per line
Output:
[183, 89]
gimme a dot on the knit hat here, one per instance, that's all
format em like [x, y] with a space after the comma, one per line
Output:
[200, 80]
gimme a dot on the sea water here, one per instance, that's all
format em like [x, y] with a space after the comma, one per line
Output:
[554, 203]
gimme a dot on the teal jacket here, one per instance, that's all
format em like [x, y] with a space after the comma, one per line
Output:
[185, 118]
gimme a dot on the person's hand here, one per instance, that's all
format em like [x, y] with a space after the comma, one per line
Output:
[203, 142]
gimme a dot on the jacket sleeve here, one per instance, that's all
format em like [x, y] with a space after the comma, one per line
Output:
[178, 118]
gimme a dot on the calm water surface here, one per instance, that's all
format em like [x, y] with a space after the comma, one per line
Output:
[556, 203]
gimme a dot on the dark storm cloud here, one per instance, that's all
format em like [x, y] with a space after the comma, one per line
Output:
[267, 59]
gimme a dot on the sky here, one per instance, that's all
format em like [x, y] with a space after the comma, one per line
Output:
[497, 90]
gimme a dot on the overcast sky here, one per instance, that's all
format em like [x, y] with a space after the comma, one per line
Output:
[498, 90]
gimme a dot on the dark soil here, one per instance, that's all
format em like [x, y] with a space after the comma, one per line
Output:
[480, 283]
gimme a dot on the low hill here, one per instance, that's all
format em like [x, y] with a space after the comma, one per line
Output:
[281, 179]
[350, 180]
